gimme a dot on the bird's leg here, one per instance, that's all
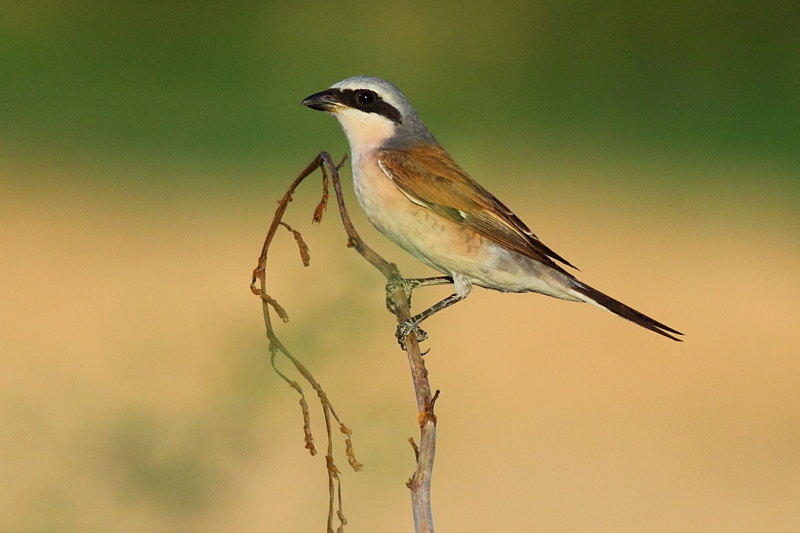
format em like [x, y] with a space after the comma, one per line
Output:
[462, 289]
[412, 324]
[409, 285]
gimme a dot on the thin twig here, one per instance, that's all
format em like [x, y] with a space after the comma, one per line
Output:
[419, 483]
[258, 287]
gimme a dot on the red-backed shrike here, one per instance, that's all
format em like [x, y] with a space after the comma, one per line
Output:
[414, 193]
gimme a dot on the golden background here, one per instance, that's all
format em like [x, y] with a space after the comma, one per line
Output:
[143, 147]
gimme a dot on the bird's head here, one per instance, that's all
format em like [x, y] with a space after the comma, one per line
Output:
[373, 113]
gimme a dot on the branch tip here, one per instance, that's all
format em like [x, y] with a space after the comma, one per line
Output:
[435, 397]
[305, 253]
[414, 447]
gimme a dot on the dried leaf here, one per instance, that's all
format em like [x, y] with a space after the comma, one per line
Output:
[278, 308]
[309, 438]
[305, 253]
[349, 451]
[323, 203]
[331, 466]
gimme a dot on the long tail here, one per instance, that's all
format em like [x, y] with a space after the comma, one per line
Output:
[595, 297]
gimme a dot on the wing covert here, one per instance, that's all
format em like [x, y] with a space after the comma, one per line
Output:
[429, 177]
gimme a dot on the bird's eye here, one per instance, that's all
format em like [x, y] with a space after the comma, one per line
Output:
[366, 98]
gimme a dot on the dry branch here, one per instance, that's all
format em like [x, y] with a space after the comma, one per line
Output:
[399, 298]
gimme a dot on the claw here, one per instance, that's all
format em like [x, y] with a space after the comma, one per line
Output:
[405, 328]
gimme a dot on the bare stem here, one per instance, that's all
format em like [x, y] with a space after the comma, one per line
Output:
[420, 482]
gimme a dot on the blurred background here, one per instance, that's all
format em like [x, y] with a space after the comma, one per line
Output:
[143, 146]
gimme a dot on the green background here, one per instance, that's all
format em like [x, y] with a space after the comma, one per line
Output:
[220, 82]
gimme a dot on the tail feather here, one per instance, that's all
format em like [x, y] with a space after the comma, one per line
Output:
[593, 296]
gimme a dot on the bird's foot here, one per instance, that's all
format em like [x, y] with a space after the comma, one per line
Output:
[405, 328]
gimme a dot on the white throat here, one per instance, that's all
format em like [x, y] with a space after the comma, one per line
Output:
[365, 132]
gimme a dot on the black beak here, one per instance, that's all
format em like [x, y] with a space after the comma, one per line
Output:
[324, 101]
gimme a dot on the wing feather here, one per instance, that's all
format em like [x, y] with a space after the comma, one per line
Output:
[429, 177]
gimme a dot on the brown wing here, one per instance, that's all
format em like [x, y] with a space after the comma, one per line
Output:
[429, 177]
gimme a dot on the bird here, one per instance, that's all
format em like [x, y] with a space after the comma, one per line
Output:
[413, 191]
